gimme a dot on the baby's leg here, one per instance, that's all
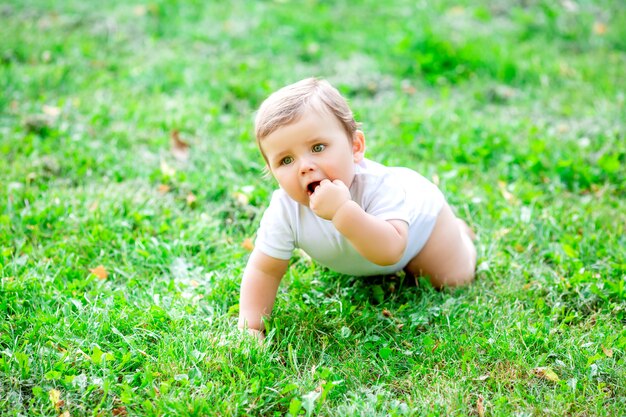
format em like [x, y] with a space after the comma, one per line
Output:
[449, 256]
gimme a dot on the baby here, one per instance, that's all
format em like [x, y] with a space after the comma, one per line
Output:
[348, 213]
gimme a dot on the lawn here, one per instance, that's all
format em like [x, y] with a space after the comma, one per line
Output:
[131, 189]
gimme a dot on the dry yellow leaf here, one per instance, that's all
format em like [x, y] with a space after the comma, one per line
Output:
[608, 352]
[120, 411]
[100, 272]
[247, 244]
[54, 395]
[546, 373]
[178, 147]
[163, 188]
[480, 406]
[241, 199]
[599, 28]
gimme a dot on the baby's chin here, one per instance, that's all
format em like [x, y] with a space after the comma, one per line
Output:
[300, 199]
[305, 202]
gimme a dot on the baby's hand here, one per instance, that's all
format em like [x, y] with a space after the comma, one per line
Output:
[328, 197]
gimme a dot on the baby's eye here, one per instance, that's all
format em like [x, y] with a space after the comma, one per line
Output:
[318, 148]
[286, 160]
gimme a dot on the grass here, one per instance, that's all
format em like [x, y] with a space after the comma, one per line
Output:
[516, 109]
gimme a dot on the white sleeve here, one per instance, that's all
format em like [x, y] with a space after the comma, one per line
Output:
[275, 236]
[386, 200]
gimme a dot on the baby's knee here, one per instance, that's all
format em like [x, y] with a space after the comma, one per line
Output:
[456, 278]
[465, 275]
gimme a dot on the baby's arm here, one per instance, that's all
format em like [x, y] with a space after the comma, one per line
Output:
[258, 290]
[382, 242]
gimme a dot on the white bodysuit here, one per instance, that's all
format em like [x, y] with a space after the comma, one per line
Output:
[389, 193]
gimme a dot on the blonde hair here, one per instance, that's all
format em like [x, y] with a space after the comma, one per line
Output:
[287, 105]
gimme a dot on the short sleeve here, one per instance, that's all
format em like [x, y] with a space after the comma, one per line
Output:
[384, 198]
[275, 236]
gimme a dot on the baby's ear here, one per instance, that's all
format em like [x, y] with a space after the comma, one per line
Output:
[358, 146]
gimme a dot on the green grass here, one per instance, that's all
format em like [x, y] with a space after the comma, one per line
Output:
[516, 109]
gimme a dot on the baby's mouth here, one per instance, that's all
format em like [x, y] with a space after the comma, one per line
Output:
[312, 186]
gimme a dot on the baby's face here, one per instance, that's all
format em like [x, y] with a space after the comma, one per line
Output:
[311, 149]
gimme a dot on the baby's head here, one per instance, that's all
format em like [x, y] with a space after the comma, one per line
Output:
[288, 104]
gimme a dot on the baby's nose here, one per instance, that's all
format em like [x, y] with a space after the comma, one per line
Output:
[306, 165]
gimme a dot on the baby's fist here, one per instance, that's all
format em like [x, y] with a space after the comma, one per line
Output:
[328, 197]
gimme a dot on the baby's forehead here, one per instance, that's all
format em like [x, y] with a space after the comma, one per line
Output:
[320, 111]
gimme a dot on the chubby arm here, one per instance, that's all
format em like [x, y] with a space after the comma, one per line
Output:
[382, 242]
[259, 286]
